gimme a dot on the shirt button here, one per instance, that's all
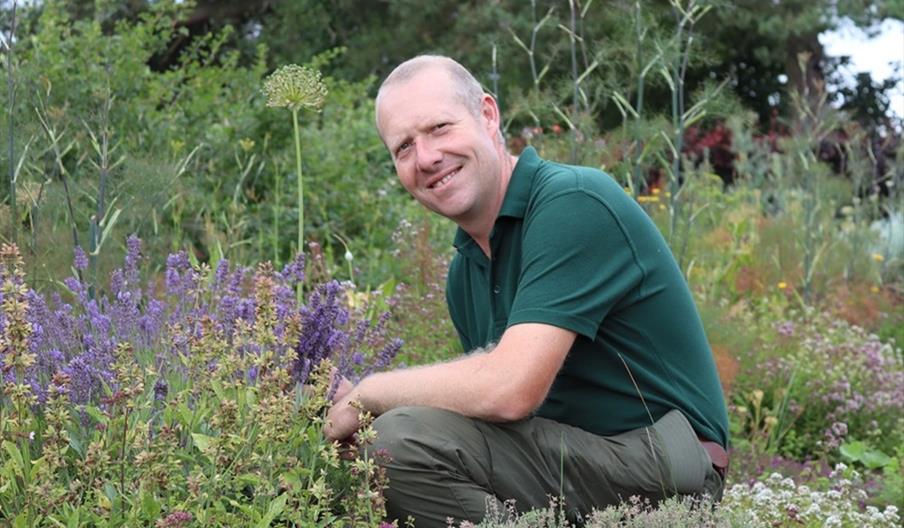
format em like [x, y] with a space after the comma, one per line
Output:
[496, 289]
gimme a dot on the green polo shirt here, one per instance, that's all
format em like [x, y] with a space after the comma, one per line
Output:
[571, 249]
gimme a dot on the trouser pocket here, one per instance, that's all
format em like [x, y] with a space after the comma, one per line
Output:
[687, 460]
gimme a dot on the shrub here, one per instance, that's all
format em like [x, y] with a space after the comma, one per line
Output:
[203, 404]
[772, 502]
[817, 380]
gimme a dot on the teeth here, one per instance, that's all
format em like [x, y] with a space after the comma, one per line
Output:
[445, 180]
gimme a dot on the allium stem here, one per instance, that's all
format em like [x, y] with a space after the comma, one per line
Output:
[300, 247]
[276, 215]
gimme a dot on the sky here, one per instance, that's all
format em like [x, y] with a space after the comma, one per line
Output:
[880, 54]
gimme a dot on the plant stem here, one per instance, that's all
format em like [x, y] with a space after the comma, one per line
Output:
[638, 105]
[575, 82]
[11, 87]
[122, 462]
[533, 42]
[104, 168]
[300, 247]
[276, 211]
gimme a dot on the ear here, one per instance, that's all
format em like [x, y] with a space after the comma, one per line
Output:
[489, 111]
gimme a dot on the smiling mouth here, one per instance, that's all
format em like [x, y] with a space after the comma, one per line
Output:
[446, 179]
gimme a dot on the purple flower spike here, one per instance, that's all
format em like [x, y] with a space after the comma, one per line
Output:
[81, 259]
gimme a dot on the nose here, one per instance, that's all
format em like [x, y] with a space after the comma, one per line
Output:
[428, 155]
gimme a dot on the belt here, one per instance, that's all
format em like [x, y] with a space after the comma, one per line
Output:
[717, 455]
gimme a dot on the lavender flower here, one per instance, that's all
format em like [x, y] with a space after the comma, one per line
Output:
[78, 337]
[160, 390]
[80, 260]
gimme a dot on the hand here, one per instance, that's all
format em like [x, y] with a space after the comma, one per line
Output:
[342, 418]
[342, 389]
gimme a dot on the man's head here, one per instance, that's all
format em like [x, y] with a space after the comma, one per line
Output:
[442, 131]
[464, 86]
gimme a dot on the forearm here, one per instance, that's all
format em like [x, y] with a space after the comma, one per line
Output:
[502, 385]
[468, 386]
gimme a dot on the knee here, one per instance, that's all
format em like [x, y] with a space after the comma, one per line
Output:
[401, 425]
[408, 433]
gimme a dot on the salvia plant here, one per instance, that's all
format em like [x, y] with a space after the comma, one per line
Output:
[196, 402]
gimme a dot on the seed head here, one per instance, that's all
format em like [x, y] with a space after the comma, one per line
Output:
[295, 87]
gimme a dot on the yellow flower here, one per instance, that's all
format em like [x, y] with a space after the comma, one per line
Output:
[247, 144]
[661, 207]
[878, 257]
[177, 145]
[647, 198]
[782, 285]
[757, 397]
[656, 190]
[874, 289]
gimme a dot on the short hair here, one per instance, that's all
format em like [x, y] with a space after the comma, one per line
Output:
[464, 86]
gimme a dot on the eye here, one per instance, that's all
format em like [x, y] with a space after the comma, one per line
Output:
[441, 126]
[402, 149]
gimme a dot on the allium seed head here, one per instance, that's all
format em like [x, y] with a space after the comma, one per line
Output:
[295, 87]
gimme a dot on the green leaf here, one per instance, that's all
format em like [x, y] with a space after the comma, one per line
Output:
[149, 505]
[875, 459]
[96, 413]
[853, 450]
[202, 441]
[21, 521]
[73, 521]
[276, 507]
[56, 522]
[858, 451]
[185, 414]
[110, 491]
[16, 456]
[75, 443]
[218, 390]
[106, 232]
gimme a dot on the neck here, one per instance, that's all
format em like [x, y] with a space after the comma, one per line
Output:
[482, 226]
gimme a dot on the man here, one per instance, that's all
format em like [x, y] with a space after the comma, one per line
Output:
[600, 385]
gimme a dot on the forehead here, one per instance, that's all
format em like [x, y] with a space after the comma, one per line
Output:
[408, 105]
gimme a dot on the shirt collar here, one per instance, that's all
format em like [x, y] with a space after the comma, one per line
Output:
[516, 195]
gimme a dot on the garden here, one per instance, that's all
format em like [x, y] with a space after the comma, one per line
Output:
[200, 228]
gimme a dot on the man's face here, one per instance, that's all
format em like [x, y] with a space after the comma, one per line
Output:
[444, 155]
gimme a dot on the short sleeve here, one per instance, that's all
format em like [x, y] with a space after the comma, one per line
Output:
[577, 264]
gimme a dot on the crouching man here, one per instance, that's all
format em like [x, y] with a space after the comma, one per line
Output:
[601, 384]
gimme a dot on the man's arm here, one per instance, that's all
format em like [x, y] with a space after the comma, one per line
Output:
[504, 384]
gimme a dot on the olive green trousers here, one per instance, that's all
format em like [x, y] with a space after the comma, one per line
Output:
[444, 465]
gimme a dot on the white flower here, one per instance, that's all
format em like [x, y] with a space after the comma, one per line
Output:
[295, 87]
